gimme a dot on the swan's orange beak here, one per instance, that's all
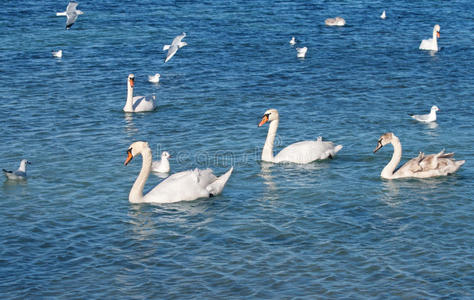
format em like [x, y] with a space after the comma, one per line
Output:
[129, 157]
[264, 120]
[437, 34]
[131, 82]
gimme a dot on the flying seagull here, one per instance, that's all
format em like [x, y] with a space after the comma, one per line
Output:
[175, 45]
[71, 13]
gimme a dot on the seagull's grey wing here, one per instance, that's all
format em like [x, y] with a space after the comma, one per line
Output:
[421, 117]
[178, 39]
[71, 7]
[71, 18]
[171, 52]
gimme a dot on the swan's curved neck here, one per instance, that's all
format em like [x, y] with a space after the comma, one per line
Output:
[136, 193]
[267, 152]
[388, 171]
[129, 104]
[435, 39]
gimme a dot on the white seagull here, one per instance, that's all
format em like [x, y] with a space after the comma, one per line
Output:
[57, 54]
[71, 13]
[293, 40]
[428, 118]
[301, 52]
[383, 15]
[154, 78]
[163, 165]
[19, 174]
[175, 45]
[337, 21]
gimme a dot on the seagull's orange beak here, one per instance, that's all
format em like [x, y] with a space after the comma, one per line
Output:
[263, 121]
[129, 157]
[437, 34]
[131, 82]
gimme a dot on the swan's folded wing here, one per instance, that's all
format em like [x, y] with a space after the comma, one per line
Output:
[307, 151]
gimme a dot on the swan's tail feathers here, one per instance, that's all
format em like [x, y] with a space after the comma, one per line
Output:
[217, 186]
[166, 47]
[459, 163]
[337, 148]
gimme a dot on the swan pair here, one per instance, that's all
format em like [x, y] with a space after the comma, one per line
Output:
[19, 174]
[337, 21]
[302, 152]
[137, 103]
[431, 44]
[423, 166]
[183, 186]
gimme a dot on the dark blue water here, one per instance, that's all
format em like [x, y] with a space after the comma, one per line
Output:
[331, 229]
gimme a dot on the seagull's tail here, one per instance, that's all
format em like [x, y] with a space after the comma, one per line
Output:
[61, 14]
[166, 47]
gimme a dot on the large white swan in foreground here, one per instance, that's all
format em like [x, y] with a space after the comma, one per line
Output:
[175, 45]
[182, 186]
[431, 44]
[19, 174]
[137, 103]
[301, 152]
[428, 118]
[71, 13]
[423, 166]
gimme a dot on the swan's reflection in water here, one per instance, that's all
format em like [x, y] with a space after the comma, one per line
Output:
[130, 128]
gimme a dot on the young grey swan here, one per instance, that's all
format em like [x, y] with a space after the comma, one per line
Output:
[423, 166]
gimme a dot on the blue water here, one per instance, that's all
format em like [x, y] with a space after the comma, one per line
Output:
[327, 230]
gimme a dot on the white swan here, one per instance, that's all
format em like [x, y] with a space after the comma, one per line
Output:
[137, 103]
[440, 164]
[383, 15]
[337, 21]
[301, 152]
[57, 54]
[163, 165]
[154, 78]
[182, 186]
[431, 44]
[301, 52]
[293, 40]
[19, 174]
[175, 45]
[71, 13]
[428, 118]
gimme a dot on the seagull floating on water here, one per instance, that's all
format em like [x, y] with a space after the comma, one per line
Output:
[293, 40]
[337, 21]
[154, 78]
[71, 13]
[301, 52]
[163, 165]
[19, 174]
[175, 45]
[58, 53]
[428, 118]
[383, 15]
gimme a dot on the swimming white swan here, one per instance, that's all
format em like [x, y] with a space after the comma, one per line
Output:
[154, 78]
[19, 174]
[163, 165]
[337, 21]
[431, 117]
[137, 103]
[57, 54]
[175, 45]
[440, 164]
[71, 13]
[293, 40]
[301, 152]
[383, 15]
[183, 186]
[431, 44]
[301, 52]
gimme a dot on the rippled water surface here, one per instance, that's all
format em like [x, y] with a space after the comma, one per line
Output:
[330, 229]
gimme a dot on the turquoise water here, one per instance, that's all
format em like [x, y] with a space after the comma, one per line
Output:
[331, 229]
